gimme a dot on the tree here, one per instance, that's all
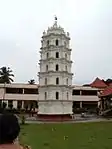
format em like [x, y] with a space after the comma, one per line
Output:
[23, 120]
[6, 75]
[32, 81]
[31, 106]
[4, 105]
[0, 106]
[19, 107]
[26, 107]
[11, 106]
[108, 81]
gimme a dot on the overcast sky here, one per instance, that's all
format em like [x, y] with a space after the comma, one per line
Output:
[89, 22]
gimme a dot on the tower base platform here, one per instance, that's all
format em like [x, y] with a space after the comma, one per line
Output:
[55, 110]
[54, 118]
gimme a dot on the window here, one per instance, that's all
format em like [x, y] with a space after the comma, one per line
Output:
[57, 67]
[47, 42]
[14, 90]
[67, 95]
[57, 42]
[57, 81]
[45, 81]
[45, 95]
[89, 92]
[67, 81]
[76, 92]
[47, 55]
[46, 67]
[57, 95]
[65, 55]
[65, 68]
[57, 54]
[30, 91]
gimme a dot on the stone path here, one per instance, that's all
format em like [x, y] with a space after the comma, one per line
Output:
[73, 121]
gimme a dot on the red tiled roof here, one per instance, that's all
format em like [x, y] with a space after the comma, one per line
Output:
[106, 92]
[110, 84]
[98, 83]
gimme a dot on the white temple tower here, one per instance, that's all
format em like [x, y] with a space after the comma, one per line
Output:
[55, 77]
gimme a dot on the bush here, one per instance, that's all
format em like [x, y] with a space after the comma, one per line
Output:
[23, 120]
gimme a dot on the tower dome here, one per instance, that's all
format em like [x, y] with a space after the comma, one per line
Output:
[57, 31]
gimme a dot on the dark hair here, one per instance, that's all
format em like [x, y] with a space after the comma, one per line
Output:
[9, 128]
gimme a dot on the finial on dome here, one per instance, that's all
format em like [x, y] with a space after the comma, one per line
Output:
[44, 32]
[55, 19]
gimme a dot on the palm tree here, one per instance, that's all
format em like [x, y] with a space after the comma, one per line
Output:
[32, 81]
[6, 75]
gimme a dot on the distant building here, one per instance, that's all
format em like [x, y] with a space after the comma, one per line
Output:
[19, 95]
[105, 97]
[25, 94]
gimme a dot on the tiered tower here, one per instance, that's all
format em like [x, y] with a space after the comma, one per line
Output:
[55, 77]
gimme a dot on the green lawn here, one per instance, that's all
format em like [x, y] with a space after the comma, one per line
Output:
[77, 136]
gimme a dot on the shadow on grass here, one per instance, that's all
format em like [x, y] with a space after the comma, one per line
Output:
[46, 144]
[24, 124]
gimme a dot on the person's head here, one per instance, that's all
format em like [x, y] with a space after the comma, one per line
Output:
[9, 128]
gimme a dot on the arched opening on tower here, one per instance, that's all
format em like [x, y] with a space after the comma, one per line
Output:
[47, 42]
[45, 95]
[47, 55]
[45, 81]
[65, 68]
[67, 96]
[65, 55]
[46, 67]
[65, 43]
[57, 81]
[57, 95]
[57, 42]
[67, 81]
[57, 54]
[57, 67]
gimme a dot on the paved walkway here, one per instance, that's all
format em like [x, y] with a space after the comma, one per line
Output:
[73, 121]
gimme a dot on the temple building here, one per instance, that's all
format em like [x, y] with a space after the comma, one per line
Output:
[105, 108]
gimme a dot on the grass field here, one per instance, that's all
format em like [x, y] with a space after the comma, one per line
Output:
[68, 136]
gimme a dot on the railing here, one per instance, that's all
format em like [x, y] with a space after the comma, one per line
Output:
[21, 96]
